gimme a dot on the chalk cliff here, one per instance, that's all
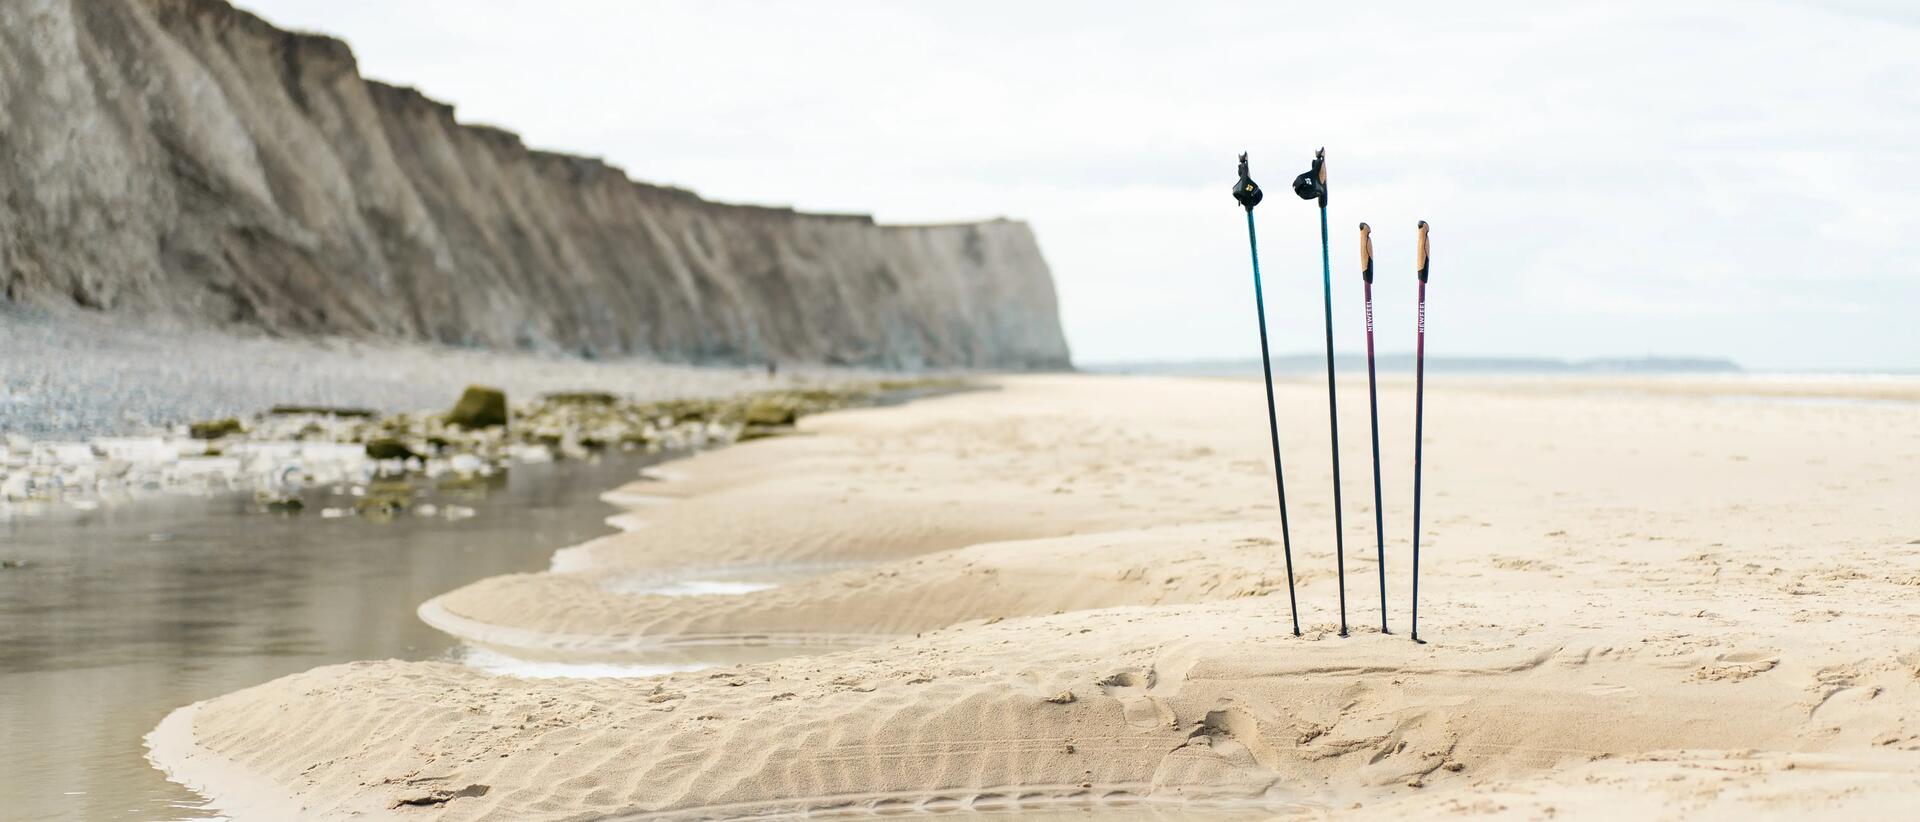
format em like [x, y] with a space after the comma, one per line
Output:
[184, 159]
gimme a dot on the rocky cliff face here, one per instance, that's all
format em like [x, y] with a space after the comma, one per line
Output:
[181, 158]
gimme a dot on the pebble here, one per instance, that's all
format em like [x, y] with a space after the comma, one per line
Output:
[94, 409]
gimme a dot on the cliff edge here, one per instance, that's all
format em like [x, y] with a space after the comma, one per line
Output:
[184, 159]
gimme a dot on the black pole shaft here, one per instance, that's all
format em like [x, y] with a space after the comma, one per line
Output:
[1333, 420]
[1419, 418]
[1273, 423]
[1373, 411]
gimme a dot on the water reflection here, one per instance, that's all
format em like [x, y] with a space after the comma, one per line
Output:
[126, 612]
[501, 664]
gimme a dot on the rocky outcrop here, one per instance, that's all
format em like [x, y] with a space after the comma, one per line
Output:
[183, 159]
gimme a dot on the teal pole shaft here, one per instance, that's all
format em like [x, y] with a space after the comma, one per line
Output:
[1333, 419]
[1273, 421]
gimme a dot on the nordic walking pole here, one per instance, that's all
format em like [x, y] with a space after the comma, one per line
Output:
[1248, 193]
[1373, 412]
[1313, 185]
[1419, 408]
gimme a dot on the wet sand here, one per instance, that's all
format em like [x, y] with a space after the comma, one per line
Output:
[1639, 598]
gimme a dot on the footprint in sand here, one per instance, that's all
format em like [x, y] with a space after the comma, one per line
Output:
[1737, 666]
[1141, 709]
[1233, 733]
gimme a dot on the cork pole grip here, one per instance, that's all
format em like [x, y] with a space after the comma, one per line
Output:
[1366, 252]
[1423, 251]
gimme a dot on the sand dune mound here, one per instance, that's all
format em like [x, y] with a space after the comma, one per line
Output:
[592, 613]
[1214, 701]
[905, 500]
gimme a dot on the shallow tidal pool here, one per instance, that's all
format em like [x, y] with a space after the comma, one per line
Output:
[119, 614]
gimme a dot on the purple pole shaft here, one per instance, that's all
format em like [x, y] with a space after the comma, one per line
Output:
[1419, 410]
[1373, 410]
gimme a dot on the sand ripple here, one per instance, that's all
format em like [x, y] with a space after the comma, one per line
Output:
[1071, 591]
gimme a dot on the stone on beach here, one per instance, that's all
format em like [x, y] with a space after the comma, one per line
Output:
[214, 429]
[479, 407]
[390, 449]
[319, 411]
[772, 411]
[580, 398]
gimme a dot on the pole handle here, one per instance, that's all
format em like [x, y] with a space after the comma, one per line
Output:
[1245, 190]
[1422, 254]
[1366, 253]
[1320, 164]
[1312, 183]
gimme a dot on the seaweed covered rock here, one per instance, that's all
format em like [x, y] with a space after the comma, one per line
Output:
[479, 407]
[688, 410]
[320, 411]
[385, 500]
[760, 432]
[214, 429]
[588, 398]
[775, 410]
[388, 448]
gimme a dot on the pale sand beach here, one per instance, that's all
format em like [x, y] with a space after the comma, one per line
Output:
[1642, 598]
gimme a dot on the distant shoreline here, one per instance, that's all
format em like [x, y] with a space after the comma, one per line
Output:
[1517, 366]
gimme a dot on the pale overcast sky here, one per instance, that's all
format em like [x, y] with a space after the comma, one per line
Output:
[1678, 178]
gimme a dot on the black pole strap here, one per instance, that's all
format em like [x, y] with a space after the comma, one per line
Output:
[1312, 183]
[1246, 190]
